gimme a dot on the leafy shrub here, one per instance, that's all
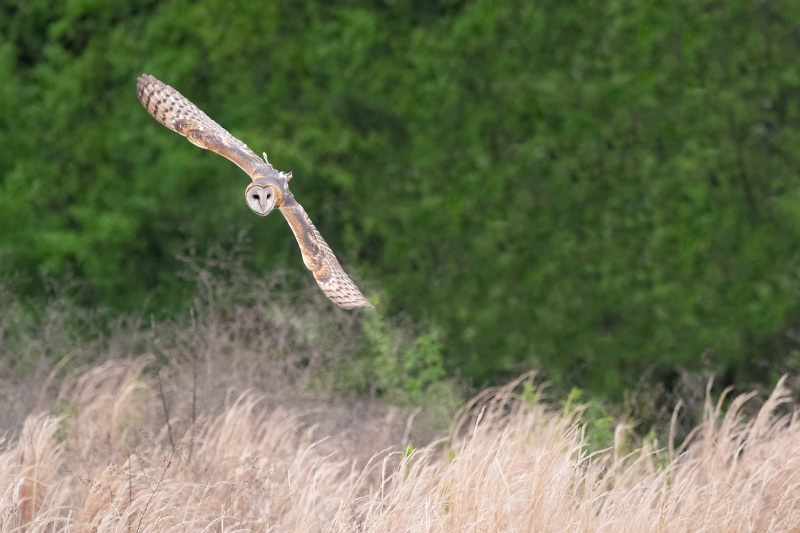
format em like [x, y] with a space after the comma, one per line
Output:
[601, 189]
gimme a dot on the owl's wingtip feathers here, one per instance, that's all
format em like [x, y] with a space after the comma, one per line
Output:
[142, 82]
[357, 304]
[340, 289]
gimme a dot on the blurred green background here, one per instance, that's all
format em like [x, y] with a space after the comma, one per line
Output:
[606, 190]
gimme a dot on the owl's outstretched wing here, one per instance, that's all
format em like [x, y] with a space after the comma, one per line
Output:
[319, 259]
[176, 112]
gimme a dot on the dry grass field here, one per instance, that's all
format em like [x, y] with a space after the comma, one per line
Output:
[225, 425]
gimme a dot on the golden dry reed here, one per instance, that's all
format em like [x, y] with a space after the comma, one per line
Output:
[122, 448]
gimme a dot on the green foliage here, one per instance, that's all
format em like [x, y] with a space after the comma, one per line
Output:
[598, 424]
[407, 371]
[531, 397]
[602, 189]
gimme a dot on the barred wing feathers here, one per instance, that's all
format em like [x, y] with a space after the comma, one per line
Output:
[176, 112]
[319, 259]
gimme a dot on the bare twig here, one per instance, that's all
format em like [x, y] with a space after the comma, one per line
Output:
[153, 493]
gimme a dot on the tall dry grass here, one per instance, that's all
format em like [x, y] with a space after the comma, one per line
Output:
[117, 450]
[238, 335]
[234, 421]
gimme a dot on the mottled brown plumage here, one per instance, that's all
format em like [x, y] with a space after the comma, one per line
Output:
[269, 189]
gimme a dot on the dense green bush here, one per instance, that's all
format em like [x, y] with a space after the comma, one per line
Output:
[604, 189]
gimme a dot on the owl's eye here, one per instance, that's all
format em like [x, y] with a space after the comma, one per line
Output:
[268, 196]
[256, 197]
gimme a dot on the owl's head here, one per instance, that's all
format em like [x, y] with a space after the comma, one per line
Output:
[266, 193]
[261, 197]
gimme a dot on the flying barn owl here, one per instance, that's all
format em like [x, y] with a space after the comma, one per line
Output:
[269, 189]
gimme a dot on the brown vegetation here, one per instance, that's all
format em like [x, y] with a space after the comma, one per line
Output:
[228, 423]
[104, 458]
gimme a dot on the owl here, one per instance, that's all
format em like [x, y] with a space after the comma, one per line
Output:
[268, 190]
